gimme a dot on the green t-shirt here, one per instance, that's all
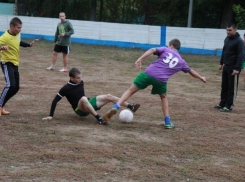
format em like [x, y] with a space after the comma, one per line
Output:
[67, 29]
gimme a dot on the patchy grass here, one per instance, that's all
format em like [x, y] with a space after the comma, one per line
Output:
[206, 145]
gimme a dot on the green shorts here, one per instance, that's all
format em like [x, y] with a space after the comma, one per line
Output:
[92, 101]
[143, 80]
[243, 64]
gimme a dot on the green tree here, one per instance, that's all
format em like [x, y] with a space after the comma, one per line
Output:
[240, 15]
[206, 13]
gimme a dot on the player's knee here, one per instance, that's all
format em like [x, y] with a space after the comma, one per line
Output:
[11, 87]
[55, 53]
[108, 96]
[16, 89]
[132, 90]
[163, 96]
[84, 99]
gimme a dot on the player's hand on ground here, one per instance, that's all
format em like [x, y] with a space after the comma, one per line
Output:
[33, 42]
[47, 118]
[138, 64]
[5, 47]
[203, 79]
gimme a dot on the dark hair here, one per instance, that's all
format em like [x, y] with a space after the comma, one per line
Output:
[15, 21]
[73, 72]
[231, 25]
[176, 43]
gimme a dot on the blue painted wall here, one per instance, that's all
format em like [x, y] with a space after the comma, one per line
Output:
[6, 8]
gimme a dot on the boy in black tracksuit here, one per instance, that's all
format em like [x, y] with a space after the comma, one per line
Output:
[230, 62]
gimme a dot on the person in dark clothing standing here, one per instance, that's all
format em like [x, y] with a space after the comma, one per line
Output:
[243, 63]
[231, 63]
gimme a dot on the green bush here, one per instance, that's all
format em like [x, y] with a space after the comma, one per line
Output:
[240, 15]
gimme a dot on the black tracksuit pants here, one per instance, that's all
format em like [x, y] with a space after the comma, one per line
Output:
[227, 87]
[11, 74]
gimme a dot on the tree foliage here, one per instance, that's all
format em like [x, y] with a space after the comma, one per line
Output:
[240, 15]
[206, 13]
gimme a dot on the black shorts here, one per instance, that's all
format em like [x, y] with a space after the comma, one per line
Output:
[63, 49]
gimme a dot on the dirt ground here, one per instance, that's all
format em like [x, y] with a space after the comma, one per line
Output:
[206, 145]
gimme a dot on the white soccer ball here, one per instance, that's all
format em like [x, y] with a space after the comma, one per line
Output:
[126, 116]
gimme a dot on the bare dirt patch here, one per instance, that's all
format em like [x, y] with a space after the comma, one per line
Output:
[206, 145]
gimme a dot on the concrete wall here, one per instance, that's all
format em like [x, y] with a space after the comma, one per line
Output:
[193, 40]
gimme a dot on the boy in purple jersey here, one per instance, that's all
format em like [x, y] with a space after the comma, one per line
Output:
[157, 74]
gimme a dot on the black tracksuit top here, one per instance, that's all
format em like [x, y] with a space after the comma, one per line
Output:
[232, 54]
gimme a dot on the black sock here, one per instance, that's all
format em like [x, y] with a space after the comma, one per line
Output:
[130, 106]
[98, 117]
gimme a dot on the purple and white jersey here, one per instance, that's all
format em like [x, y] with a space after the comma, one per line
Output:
[167, 64]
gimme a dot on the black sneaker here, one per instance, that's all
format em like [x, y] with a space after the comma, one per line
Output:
[225, 109]
[101, 121]
[218, 107]
[134, 107]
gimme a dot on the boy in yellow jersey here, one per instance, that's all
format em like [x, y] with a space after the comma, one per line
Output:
[10, 43]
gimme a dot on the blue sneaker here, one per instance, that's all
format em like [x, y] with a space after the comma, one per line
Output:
[169, 125]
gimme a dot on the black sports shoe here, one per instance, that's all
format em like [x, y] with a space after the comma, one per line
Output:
[134, 107]
[218, 107]
[225, 109]
[101, 121]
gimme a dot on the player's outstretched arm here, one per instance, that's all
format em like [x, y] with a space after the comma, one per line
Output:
[53, 106]
[33, 42]
[146, 54]
[196, 75]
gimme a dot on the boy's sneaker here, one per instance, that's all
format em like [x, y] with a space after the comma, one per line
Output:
[218, 107]
[63, 70]
[110, 113]
[134, 107]
[225, 109]
[169, 125]
[101, 121]
[50, 68]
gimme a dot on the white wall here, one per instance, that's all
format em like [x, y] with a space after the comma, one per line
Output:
[202, 38]
[89, 30]
[193, 38]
